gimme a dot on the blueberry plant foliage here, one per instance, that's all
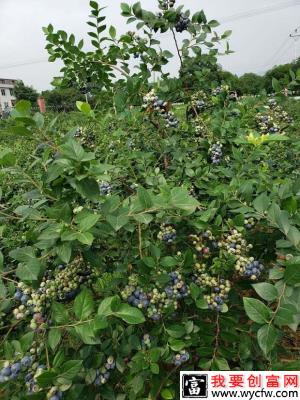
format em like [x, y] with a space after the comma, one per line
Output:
[152, 239]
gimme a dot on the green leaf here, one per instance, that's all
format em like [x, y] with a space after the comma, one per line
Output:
[1, 261]
[126, 10]
[26, 341]
[117, 222]
[167, 394]
[276, 85]
[177, 344]
[84, 305]
[292, 272]
[168, 261]
[266, 291]
[176, 331]
[69, 370]
[85, 108]
[222, 364]
[86, 220]
[86, 333]
[261, 203]
[154, 368]
[2, 289]
[59, 313]
[202, 304]
[112, 32]
[293, 235]
[131, 315]
[181, 199]
[149, 261]
[46, 379]
[72, 150]
[143, 218]
[105, 307]
[7, 158]
[256, 310]
[23, 107]
[85, 238]
[137, 9]
[144, 198]
[94, 5]
[285, 314]
[30, 266]
[64, 252]
[195, 291]
[88, 188]
[267, 337]
[54, 338]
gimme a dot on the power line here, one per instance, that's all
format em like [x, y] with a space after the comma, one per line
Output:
[23, 63]
[279, 52]
[262, 10]
[235, 17]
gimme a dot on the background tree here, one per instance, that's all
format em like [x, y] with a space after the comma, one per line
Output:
[23, 92]
[251, 83]
[281, 73]
[62, 99]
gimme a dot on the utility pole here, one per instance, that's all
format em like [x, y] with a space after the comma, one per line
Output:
[295, 35]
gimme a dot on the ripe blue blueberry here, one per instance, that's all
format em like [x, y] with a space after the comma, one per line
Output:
[6, 371]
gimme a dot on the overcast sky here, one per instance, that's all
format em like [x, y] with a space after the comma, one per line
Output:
[259, 41]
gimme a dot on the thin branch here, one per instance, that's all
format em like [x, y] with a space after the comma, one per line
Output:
[177, 47]
[114, 67]
[140, 240]
[217, 336]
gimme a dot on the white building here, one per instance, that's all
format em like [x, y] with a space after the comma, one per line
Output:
[7, 98]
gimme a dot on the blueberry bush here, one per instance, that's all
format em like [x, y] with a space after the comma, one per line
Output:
[152, 237]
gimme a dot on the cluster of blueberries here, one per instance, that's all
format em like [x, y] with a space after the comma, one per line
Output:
[182, 24]
[170, 119]
[216, 153]
[219, 295]
[156, 300]
[138, 299]
[204, 244]
[41, 147]
[272, 103]
[200, 105]
[270, 123]
[146, 341]
[218, 288]
[200, 128]
[253, 270]
[177, 289]
[166, 4]
[87, 138]
[103, 373]
[63, 284]
[56, 395]
[30, 379]
[180, 358]
[152, 102]
[20, 296]
[200, 102]
[234, 243]
[281, 115]
[25, 366]
[12, 371]
[174, 291]
[218, 90]
[167, 234]
[249, 223]
[105, 188]
[274, 129]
